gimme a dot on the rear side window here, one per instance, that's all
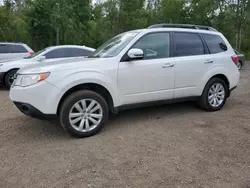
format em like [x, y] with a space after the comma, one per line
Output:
[4, 49]
[77, 52]
[188, 44]
[215, 43]
[57, 53]
[18, 49]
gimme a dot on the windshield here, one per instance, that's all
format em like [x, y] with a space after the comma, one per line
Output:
[35, 54]
[114, 46]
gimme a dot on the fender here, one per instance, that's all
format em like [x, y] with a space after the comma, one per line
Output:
[215, 70]
[14, 65]
[85, 77]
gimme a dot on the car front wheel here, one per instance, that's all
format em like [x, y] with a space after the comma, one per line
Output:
[214, 95]
[9, 78]
[83, 113]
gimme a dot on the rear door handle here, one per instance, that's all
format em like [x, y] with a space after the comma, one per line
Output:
[208, 62]
[167, 65]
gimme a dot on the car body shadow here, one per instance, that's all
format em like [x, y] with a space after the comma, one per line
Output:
[35, 130]
[152, 113]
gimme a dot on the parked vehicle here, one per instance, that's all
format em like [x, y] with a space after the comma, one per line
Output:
[241, 59]
[47, 55]
[10, 51]
[142, 67]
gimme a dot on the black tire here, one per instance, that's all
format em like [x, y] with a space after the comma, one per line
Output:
[7, 79]
[69, 102]
[204, 102]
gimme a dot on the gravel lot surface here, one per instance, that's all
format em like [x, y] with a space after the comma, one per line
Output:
[171, 146]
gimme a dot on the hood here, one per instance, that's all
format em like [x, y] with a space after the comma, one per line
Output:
[17, 64]
[61, 65]
[16, 61]
[9, 60]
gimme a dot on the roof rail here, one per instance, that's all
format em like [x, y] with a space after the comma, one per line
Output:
[190, 26]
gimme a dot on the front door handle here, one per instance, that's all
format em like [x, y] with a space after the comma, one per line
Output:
[167, 65]
[208, 62]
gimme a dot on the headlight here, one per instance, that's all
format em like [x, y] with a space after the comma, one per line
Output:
[1, 65]
[25, 80]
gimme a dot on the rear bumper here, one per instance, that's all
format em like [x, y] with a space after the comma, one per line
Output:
[31, 111]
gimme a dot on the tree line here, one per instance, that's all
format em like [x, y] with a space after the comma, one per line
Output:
[42, 23]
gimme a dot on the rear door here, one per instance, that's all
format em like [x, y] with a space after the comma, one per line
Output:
[220, 53]
[192, 61]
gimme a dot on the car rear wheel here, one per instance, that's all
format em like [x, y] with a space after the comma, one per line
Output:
[9, 78]
[83, 113]
[214, 95]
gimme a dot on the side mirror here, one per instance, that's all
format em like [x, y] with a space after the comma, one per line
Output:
[135, 53]
[41, 58]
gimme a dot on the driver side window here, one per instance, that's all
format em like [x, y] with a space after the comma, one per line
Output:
[154, 45]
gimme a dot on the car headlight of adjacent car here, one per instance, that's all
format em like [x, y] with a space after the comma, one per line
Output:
[25, 80]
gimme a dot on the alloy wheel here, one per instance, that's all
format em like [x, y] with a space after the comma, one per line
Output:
[85, 115]
[216, 95]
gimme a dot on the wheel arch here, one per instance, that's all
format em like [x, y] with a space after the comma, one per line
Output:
[101, 90]
[5, 74]
[221, 76]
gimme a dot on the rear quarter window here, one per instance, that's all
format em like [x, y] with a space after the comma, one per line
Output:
[214, 43]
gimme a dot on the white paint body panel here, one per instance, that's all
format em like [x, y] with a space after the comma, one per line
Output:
[12, 56]
[145, 80]
[128, 82]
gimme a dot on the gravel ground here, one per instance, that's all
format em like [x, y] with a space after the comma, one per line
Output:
[171, 146]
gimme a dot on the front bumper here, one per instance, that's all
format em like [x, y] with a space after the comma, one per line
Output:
[1, 78]
[42, 96]
[31, 111]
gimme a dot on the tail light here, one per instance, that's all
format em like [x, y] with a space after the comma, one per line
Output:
[31, 53]
[235, 59]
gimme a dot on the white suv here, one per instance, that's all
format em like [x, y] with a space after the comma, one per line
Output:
[154, 65]
[9, 51]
